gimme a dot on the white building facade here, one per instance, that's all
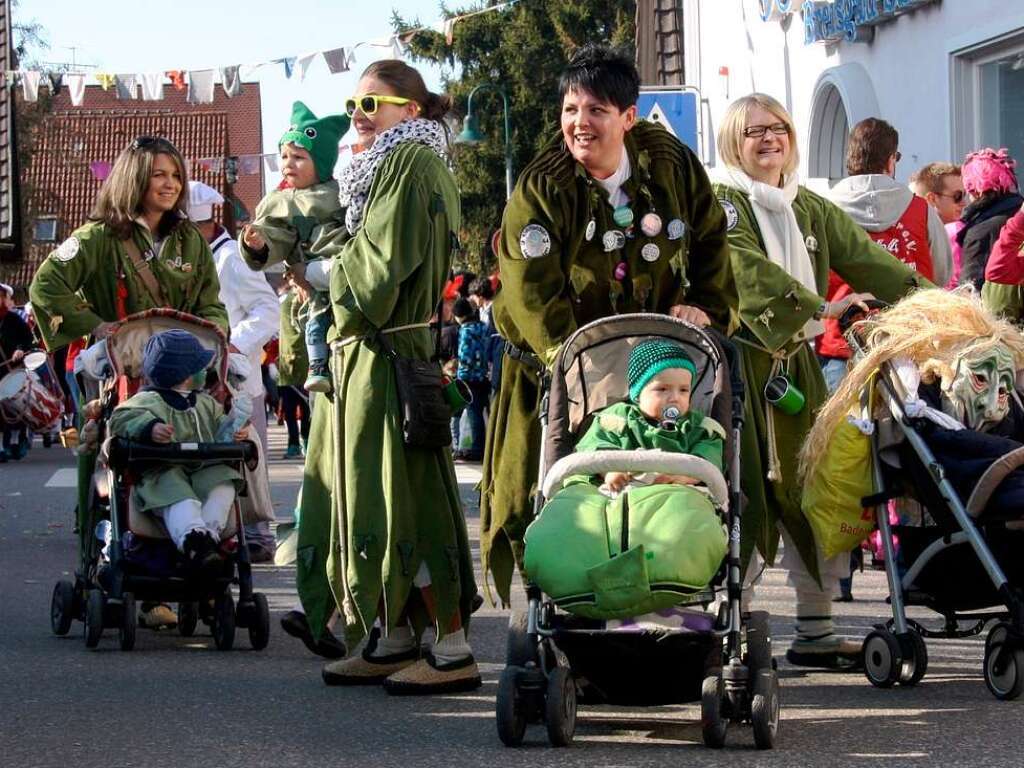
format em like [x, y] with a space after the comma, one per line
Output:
[947, 74]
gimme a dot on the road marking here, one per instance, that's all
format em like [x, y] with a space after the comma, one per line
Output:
[64, 478]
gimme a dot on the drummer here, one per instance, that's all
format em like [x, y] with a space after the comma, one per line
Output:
[15, 341]
[137, 251]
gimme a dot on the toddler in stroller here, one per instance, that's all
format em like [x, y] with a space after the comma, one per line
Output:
[636, 562]
[162, 522]
[192, 500]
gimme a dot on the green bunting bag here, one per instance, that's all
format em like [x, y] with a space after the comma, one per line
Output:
[646, 550]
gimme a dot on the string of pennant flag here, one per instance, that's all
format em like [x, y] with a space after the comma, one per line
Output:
[200, 83]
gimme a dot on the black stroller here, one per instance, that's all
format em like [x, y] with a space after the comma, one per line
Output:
[555, 659]
[131, 558]
[960, 560]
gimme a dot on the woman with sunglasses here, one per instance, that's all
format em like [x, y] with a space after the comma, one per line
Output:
[380, 523]
[784, 240]
[137, 251]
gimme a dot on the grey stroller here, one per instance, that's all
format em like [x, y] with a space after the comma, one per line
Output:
[554, 659]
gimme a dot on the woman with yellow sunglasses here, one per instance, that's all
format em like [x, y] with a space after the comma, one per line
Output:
[400, 558]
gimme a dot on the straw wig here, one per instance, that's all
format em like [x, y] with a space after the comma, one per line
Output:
[933, 329]
[730, 133]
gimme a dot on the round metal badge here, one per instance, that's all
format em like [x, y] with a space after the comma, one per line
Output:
[623, 216]
[732, 216]
[650, 252]
[650, 224]
[621, 270]
[676, 229]
[534, 241]
[612, 240]
[591, 229]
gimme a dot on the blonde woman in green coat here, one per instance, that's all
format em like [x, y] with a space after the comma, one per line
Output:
[784, 239]
[398, 558]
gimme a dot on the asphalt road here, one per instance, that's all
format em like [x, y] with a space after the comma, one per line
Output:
[178, 702]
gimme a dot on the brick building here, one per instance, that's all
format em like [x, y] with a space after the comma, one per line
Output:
[75, 144]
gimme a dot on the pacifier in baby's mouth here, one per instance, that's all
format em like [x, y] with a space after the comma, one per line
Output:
[669, 416]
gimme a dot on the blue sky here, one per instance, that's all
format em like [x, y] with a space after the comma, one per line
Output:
[116, 36]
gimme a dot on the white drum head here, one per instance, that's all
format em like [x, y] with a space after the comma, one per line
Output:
[34, 360]
[11, 384]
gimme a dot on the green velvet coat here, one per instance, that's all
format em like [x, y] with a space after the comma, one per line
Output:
[773, 306]
[394, 507]
[76, 288]
[544, 299]
[292, 357]
[160, 486]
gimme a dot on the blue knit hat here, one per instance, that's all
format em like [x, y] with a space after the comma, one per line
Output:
[173, 356]
[651, 357]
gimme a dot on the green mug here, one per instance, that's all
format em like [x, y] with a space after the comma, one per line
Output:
[457, 394]
[783, 394]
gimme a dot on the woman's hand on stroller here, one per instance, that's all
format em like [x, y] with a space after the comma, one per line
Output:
[835, 309]
[694, 315]
[162, 433]
[103, 330]
[243, 432]
[616, 481]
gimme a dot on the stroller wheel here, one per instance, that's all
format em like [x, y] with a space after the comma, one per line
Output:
[759, 643]
[764, 709]
[882, 659]
[129, 621]
[560, 707]
[223, 626]
[915, 659]
[713, 723]
[1004, 663]
[510, 712]
[95, 604]
[259, 622]
[188, 618]
[62, 607]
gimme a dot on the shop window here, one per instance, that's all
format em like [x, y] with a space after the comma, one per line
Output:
[988, 97]
[45, 230]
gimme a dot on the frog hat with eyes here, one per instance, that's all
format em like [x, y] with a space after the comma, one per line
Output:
[317, 135]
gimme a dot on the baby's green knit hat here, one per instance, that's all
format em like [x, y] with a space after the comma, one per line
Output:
[651, 357]
[318, 136]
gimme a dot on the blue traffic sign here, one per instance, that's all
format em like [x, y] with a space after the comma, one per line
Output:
[675, 108]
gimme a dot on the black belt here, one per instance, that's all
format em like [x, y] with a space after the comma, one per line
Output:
[526, 358]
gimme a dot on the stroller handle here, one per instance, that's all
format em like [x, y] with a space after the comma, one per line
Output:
[122, 452]
[600, 462]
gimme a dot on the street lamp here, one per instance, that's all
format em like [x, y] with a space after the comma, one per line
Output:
[471, 130]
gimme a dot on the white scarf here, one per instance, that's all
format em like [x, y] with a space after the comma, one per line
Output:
[355, 181]
[783, 241]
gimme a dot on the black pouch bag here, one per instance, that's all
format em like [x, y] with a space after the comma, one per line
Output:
[426, 415]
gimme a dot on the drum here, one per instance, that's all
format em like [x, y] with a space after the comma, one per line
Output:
[24, 400]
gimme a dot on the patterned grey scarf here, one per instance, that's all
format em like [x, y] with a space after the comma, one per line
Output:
[356, 179]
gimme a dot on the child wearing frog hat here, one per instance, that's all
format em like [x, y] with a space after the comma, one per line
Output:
[290, 220]
[657, 414]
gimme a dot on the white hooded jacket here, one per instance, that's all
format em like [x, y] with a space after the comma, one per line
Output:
[253, 309]
[876, 202]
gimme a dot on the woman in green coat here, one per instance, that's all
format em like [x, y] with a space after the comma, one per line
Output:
[398, 558]
[784, 239]
[138, 251]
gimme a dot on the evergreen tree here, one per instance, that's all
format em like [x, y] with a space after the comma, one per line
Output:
[523, 49]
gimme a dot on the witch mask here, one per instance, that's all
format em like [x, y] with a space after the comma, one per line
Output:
[978, 395]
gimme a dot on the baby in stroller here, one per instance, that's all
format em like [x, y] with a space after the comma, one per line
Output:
[657, 415]
[193, 501]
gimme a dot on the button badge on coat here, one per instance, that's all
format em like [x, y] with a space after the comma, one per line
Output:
[650, 224]
[650, 252]
[676, 229]
[534, 241]
[591, 229]
[613, 240]
[623, 216]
